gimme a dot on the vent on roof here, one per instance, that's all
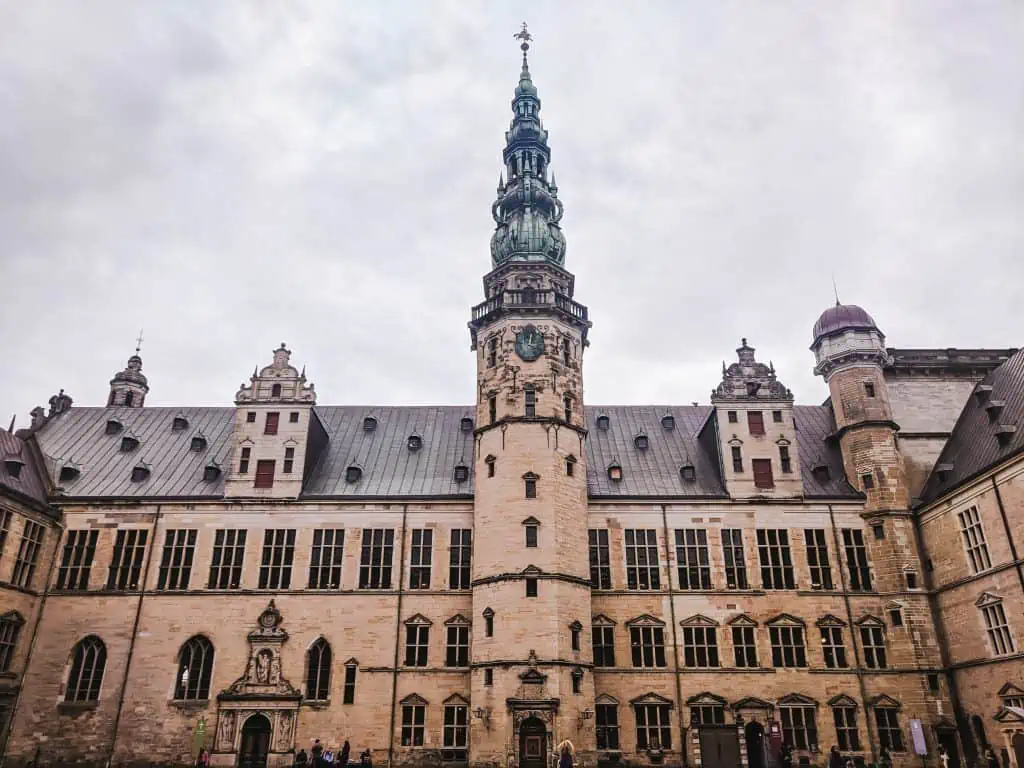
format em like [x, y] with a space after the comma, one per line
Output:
[1005, 433]
[69, 473]
[821, 473]
[602, 422]
[113, 427]
[415, 442]
[211, 472]
[140, 472]
[13, 466]
[129, 443]
[688, 473]
[369, 424]
[180, 423]
[943, 471]
[993, 408]
[352, 474]
[614, 472]
[982, 392]
[641, 442]
[668, 421]
[466, 425]
[198, 443]
[461, 473]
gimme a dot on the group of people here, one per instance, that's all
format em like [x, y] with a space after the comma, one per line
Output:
[319, 756]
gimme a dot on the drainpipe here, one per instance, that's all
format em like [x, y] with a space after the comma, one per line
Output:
[1009, 534]
[135, 632]
[853, 636]
[398, 637]
[675, 640]
[31, 647]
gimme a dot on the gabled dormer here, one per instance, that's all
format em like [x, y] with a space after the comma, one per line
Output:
[275, 432]
[756, 433]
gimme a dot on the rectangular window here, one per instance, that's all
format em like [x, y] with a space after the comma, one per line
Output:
[457, 654]
[376, 558]
[857, 559]
[785, 464]
[737, 459]
[763, 473]
[833, 648]
[974, 540]
[868, 481]
[799, 728]
[998, 629]
[293, 417]
[271, 426]
[531, 536]
[889, 734]
[349, 695]
[707, 714]
[653, 729]
[735, 562]
[460, 558]
[490, 467]
[420, 558]
[278, 554]
[531, 587]
[488, 623]
[575, 632]
[76, 561]
[817, 558]
[488, 677]
[5, 528]
[869, 388]
[455, 739]
[28, 554]
[777, 417]
[413, 718]
[567, 403]
[250, 417]
[600, 559]
[289, 461]
[243, 462]
[788, 646]
[607, 726]
[604, 646]
[700, 646]
[492, 352]
[126, 565]
[326, 557]
[264, 474]
[642, 569]
[531, 402]
[176, 559]
[845, 719]
[873, 642]
[9, 631]
[732, 417]
[530, 487]
[744, 647]
[228, 556]
[911, 579]
[417, 641]
[755, 421]
[776, 559]
[692, 558]
[648, 646]
[492, 409]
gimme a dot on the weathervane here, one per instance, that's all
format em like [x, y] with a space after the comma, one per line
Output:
[524, 35]
[138, 342]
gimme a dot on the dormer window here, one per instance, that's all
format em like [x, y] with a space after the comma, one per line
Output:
[180, 423]
[821, 473]
[688, 473]
[114, 427]
[668, 422]
[461, 473]
[993, 408]
[1005, 433]
[352, 474]
[69, 474]
[982, 392]
[140, 472]
[129, 444]
[415, 443]
[13, 466]
[198, 443]
[275, 390]
[602, 422]
[943, 471]
[615, 473]
[211, 472]
[369, 424]
[466, 425]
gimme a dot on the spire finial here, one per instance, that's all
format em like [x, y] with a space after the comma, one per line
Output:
[834, 289]
[524, 35]
[138, 343]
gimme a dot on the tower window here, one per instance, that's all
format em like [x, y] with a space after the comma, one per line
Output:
[869, 388]
[755, 422]
[531, 487]
[567, 402]
[275, 390]
[488, 623]
[531, 586]
[129, 398]
[530, 395]
[492, 409]
[566, 353]
[777, 417]
[490, 461]
[264, 473]
[492, 352]
[293, 417]
[250, 417]
[570, 466]
[911, 578]
[415, 442]
[602, 422]
[879, 531]
[868, 481]
[352, 474]
[243, 462]
[369, 424]
[733, 418]
[488, 676]
[461, 474]
[531, 536]
[784, 461]
[896, 617]
[577, 680]
[270, 428]
[737, 459]
[289, 460]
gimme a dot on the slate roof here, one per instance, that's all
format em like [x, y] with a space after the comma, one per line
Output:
[390, 469]
[973, 447]
[29, 483]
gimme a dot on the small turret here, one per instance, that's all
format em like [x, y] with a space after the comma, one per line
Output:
[129, 387]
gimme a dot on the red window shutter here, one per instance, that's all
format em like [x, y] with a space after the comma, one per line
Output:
[271, 428]
[755, 420]
[763, 473]
[265, 473]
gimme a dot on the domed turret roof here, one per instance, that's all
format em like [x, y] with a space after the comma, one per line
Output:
[842, 317]
[132, 373]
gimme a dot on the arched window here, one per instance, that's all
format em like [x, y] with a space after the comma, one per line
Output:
[318, 670]
[195, 667]
[89, 661]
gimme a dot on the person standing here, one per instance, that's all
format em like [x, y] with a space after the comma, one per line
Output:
[317, 752]
[345, 750]
[301, 759]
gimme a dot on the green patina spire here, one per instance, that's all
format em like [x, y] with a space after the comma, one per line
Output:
[527, 210]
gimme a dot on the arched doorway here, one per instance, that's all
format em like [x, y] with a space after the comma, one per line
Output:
[255, 743]
[533, 737]
[1018, 748]
[754, 734]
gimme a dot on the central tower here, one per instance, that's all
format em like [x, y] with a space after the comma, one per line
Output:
[531, 678]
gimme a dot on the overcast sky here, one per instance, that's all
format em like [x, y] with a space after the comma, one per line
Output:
[232, 175]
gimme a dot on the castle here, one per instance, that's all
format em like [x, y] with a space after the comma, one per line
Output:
[678, 585]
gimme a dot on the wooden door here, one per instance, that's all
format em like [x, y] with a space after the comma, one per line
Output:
[719, 747]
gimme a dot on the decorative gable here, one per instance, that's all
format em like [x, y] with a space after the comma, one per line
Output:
[418, 619]
[651, 698]
[742, 620]
[1008, 689]
[605, 698]
[884, 702]
[414, 700]
[576, 626]
[458, 620]
[602, 621]
[532, 570]
[456, 699]
[786, 620]
[828, 620]
[796, 700]
[531, 520]
[987, 598]
[867, 620]
[645, 620]
[706, 698]
[842, 700]
[698, 620]
[752, 702]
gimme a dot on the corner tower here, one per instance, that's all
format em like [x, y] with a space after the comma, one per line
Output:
[531, 676]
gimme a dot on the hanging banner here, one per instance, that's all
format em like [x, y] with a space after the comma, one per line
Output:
[198, 737]
[917, 734]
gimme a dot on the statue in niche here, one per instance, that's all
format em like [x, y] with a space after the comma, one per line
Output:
[226, 728]
[275, 670]
[286, 729]
[263, 659]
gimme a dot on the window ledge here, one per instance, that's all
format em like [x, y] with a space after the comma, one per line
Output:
[316, 704]
[189, 705]
[75, 707]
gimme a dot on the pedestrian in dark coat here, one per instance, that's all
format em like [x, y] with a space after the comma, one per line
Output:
[345, 750]
[301, 759]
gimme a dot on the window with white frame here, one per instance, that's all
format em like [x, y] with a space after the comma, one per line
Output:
[776, 559]
[974, 540]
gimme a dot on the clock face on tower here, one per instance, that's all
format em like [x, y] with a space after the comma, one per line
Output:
[529, 344]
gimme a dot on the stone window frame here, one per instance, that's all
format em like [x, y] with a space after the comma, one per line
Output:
[457, 642]
[421, 557]
[887, 709]
[996, 624]
[531, 532]
[607, 729]
[873, 641]
[700, 642]
[317, 680]
[974, 540]
[831, 628]
[417, 641]
[11, 623]
[819, 561]
[455, 734]
[196, 655]
[844, 720]
[86, 670]
[646, 575]
[857, 560]
[744, 624]
[647, 642]
[414, 721]
[76, 559]
[707, 708]
[643, 707]
[775, 558]
[693, 559]
[803, 735]
[788, 633]
[602, 635]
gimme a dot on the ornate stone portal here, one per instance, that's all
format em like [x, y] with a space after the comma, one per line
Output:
[261, 690]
